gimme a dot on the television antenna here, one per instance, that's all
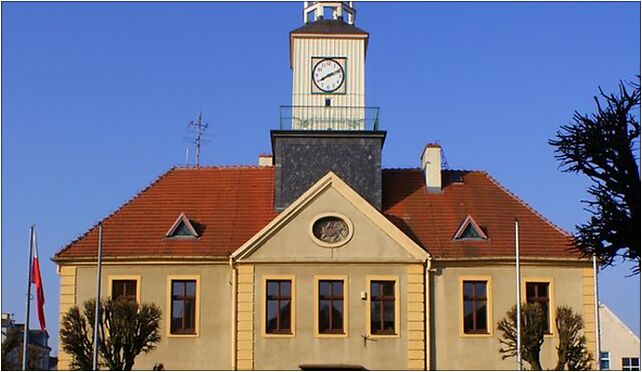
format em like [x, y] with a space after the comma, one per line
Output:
[198, 128]
[444, 161]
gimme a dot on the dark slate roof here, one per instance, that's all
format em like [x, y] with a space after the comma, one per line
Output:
[329, 26]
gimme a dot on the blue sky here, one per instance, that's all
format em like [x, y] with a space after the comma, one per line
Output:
[96, 98]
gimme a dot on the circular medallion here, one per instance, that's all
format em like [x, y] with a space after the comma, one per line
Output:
[331, 230]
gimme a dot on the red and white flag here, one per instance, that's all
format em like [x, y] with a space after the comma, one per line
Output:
[36, 279]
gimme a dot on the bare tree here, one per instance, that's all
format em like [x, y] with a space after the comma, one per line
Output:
[571, 350]
[572, 353]
[532, 332]
[124, 332]
[76, 337]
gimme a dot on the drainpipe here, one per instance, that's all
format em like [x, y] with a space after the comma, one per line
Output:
[234, 325]
[427, 355]
[598, 335]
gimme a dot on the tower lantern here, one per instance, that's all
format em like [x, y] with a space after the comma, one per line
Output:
[315, 10]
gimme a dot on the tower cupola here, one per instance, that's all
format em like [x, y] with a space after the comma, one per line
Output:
[336, 10]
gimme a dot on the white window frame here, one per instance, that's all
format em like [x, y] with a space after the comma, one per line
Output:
[630, 367]
[607, 359]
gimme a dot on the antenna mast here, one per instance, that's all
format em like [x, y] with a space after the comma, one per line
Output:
[199, 128]
[444, 161]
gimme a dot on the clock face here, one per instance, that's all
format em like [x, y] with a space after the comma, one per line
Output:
[328, 75]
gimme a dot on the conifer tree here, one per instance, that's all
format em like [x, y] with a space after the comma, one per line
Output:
[602, 146]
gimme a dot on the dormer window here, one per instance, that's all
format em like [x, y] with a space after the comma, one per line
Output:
[182, 228]
[469, 230]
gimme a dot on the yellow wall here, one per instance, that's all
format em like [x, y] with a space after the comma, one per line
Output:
[588, 302]
[67, 300]
[305, 348]
[453, 350]
[245, 318]
[211, 348]
[294, 242]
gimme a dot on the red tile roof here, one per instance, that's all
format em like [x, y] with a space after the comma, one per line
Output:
[431, 219]
[227, 206]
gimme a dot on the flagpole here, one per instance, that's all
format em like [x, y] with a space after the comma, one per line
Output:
[25, 338]
[519, 298]
[97, 319]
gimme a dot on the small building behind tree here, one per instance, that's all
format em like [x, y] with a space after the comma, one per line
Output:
[620, 347]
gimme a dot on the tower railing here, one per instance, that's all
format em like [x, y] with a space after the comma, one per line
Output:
[329, 118]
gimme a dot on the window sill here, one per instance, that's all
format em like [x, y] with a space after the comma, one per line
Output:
[278, 335]
[331, 335]
[476, 335]
[384, 335]
[183, 335]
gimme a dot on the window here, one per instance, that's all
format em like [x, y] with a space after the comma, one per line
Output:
[475, 307]
[630, 364]
[605, 360]
[382, 307]
[469, 230]
[278, 307]
[469, 233]
[182, 228]
[331, 306]
[183, 309]
[125, 289]
[539, 293]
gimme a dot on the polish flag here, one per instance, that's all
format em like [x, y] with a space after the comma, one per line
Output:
[36, 279]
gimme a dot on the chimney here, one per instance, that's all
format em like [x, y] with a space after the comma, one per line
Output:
[265, 160]
[431, 165]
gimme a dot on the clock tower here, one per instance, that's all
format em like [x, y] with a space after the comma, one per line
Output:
[327, 57]
[328, 127]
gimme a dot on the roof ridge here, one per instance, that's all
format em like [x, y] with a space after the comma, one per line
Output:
[113, 212]
[522, 202]
[464, 170]
[401, 169]
[617, 318]
[443, 170]
[207, 167]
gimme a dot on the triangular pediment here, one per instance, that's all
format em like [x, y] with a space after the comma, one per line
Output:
[330, 222]
[182, 228]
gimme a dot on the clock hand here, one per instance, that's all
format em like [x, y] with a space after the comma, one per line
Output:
[330, 74]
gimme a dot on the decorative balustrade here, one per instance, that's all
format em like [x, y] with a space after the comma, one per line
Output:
[329, 118]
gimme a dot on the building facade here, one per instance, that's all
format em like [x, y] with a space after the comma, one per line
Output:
[619, 346]
[38, 342]
[319, 257]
